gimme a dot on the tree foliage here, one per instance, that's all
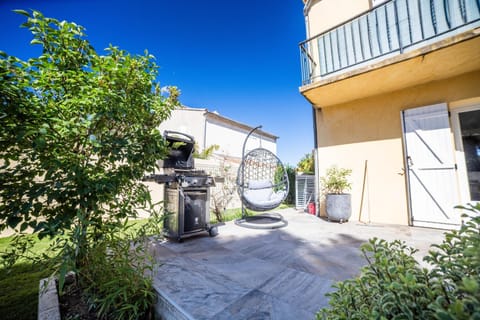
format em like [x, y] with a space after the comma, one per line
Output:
[290, 199]
[205, 153]
[306, 164]
[78, 130]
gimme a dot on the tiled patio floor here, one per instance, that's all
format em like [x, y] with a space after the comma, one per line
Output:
[267, 274]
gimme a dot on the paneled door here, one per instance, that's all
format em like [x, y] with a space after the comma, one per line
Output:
[431, 167]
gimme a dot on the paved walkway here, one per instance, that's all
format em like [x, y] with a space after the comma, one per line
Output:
[267, 274]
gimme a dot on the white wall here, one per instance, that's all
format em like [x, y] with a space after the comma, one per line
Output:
[189, 121]
[326, 14]
[230, 139]
[208, 132]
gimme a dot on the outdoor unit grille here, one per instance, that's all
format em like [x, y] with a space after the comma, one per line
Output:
[304, 190]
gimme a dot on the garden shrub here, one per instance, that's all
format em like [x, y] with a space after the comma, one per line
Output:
[291, 185]
[118, 274]
[394, 286]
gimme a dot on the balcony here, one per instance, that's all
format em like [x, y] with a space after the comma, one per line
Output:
[395, 31]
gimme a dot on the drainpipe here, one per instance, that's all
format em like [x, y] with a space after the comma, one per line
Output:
[307, 24]
[315, 162]
[205, 123]
[314, 114]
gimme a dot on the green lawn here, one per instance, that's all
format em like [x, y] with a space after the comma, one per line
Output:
[236, 213]
[19, 291]
[19, 285]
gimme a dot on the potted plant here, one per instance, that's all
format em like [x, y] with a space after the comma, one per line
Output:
[335, 185]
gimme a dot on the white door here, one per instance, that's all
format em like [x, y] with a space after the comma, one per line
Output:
[431, 168]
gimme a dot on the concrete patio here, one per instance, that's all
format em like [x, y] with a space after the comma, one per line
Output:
[267, 274]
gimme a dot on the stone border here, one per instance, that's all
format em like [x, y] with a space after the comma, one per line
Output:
[48, 305]
[167, 309]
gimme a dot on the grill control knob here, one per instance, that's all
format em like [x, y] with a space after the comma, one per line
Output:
[210, 181]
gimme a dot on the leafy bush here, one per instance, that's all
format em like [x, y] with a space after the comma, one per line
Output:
[456, 270]
[336, 180]
[306, 164]
[205, 153]
[291, 182]
[118, 273]
[394, 286]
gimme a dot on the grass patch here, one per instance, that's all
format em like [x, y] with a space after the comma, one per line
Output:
[236, 213]
[228, 215]
[39, 246]
[19, 290]
[19, 284]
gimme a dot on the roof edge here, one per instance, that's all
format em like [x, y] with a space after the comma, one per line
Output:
[218, 117]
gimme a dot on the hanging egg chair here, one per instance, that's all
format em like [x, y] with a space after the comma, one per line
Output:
[262, 184]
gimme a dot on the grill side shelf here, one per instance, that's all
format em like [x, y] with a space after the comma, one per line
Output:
[160, 178]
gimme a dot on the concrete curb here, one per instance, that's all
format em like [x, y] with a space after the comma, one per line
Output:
[48, 305]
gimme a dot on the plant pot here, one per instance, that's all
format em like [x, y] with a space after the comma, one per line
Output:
[338, 206]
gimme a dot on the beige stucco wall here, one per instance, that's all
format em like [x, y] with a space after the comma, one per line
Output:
[369, 130]
[325, 14]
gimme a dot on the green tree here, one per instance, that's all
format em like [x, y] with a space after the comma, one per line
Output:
[78, 131]
[306, 164]
[290, 199]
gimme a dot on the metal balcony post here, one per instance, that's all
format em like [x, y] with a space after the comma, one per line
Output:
[397, 24]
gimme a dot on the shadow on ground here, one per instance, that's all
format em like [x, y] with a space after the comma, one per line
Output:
[266, 274]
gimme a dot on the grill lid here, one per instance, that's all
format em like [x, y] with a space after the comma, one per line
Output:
[181, 147]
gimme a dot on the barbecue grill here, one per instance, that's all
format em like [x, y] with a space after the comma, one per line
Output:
[187, 191]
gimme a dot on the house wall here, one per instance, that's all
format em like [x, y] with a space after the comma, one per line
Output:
[208, 132]
[369, 131]
[231, 139]
[188, 121]
[325, 14]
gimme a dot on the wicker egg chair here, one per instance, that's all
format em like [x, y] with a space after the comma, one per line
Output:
[262, 184]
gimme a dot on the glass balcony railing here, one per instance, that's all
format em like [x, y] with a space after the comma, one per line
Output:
[394, 27]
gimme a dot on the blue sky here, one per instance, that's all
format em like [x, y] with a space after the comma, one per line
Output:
[239, 58]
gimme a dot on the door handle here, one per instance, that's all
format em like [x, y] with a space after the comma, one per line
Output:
[409, 161]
